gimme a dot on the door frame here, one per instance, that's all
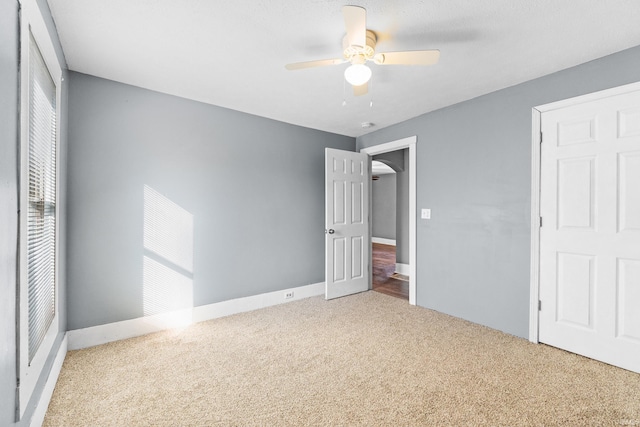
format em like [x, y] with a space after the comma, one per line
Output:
[400, 144]
[536, 141]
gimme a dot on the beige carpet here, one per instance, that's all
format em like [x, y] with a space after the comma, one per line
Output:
[367, 360]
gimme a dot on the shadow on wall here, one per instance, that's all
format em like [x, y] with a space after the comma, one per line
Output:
[167, 262]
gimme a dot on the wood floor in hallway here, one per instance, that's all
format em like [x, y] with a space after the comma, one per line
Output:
[384, 266]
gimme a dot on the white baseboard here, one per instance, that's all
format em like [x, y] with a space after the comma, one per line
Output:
[403, 269]
[254, 302]
[383, 241]
[47, 391]
[102, 334]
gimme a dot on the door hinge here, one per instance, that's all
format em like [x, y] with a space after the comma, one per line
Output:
[539, 305]
[540, 137]
[540, 221]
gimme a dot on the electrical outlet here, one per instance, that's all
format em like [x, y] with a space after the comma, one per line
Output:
[288, 295]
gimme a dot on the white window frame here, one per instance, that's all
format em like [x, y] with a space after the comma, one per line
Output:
[32, 24]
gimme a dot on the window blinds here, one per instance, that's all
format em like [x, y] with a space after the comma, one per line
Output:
[41, 218]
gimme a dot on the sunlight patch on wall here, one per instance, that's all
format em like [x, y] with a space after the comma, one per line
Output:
[167, 293]
[167, 262]
[168, 229]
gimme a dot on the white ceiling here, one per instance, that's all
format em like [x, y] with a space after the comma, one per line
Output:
[232, 53]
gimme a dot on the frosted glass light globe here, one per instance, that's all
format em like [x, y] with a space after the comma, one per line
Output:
[357, 74]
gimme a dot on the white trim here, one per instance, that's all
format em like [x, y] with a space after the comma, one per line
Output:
[383, 241]
[413, 260]
[535, 227]
[387, 147]
[32, 23]
[594, 96]
[47, 391]
[102, 334]
[536, 126]
[403, 269]
[255, 302]
[410, 143]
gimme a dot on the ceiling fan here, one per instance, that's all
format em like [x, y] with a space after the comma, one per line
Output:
[360, 46]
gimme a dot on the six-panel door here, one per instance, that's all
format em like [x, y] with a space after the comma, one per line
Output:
[347, 222]
[590, 238]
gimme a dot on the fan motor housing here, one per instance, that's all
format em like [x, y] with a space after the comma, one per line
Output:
[360, 54]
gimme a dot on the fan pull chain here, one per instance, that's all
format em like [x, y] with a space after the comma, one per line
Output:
[344, 92]
[371, 93]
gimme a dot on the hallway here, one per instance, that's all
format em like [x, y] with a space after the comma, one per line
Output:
[384, 278]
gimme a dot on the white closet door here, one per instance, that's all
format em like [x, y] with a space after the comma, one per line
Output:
[590, 234]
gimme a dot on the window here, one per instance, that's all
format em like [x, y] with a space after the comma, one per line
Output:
[38, 308]
[41, 209]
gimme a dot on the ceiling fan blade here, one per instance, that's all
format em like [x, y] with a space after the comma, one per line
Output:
[361, 90]
[412, 57]
[355, 21]
[311, 64]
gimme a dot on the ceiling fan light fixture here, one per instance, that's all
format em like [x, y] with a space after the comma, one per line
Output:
[357, 74]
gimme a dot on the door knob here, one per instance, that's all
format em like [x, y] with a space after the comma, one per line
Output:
[331, 231]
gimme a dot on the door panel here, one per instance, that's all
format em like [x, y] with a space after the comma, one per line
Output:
[575, 289]
[357, 266]
[576, 195]
[629, 299]
[339, 203]
[629, 197]
[629, 122]
[339, 264]
[576, 131]
[590, 238]
[347, 222]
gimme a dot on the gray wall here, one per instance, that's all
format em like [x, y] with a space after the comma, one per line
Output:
[473, 171]
[254, 186]
[383, 206]
[9, 140]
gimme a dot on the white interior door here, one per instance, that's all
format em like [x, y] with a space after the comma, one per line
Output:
[347, 223]
[590, 234]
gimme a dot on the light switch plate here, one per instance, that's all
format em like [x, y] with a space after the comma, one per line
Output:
[425, 214]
